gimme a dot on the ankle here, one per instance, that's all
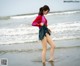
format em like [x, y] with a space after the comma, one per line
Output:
[51, 59]
[43, 62]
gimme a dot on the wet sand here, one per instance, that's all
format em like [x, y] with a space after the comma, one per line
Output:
[62, 57]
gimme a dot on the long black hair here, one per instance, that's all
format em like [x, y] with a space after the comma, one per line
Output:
[44, 8]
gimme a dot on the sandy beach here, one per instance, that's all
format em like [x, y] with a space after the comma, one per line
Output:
[63, 56]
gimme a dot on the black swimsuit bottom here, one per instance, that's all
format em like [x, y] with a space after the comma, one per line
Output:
[42, 32]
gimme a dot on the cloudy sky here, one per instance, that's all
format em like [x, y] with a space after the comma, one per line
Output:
[13, 7]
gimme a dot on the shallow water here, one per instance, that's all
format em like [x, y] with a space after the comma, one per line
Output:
[62, 57]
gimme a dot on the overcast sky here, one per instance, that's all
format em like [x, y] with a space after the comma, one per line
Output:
[13, 7]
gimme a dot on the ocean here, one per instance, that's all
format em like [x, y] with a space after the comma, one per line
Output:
[20, 46]
[64, 25]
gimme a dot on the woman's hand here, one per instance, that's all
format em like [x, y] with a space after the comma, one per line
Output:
[49, 30]
[41, 24]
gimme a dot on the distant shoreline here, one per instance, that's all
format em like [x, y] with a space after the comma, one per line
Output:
[49, 12]
[8, 17]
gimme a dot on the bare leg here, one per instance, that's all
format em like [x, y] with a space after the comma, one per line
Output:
[44, 47]
[51, 43]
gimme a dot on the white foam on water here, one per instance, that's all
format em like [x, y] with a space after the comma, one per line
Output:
[22, 33]
[23, 17]
[65, 26]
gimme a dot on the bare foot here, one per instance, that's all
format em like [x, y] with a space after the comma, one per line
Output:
[44, 62]
[50, 60]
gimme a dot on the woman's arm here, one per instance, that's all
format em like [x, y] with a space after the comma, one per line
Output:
[37, 21]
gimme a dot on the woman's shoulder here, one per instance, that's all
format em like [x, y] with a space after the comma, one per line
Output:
[39, 16]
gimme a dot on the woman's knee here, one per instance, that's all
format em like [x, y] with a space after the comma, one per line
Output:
[44, 49]
[53, 46]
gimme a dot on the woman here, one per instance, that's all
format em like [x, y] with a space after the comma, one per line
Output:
[41, 22]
